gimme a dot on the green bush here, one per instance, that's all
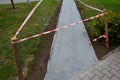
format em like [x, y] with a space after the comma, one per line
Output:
[113, 27]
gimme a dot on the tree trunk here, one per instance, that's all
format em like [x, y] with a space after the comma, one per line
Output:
[13, 5]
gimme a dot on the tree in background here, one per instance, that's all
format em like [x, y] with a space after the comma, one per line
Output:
[13, 5]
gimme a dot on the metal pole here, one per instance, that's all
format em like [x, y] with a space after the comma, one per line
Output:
[106, 28]
[17, 61]
[28, 2]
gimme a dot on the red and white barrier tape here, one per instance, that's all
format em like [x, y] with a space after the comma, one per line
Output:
[106, 39]
[102, 36]
[57, 29]
[27, 18]
[91, 7]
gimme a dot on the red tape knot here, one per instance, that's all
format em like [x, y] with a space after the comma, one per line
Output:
[52, 31]
[95, 39]
[41, 34]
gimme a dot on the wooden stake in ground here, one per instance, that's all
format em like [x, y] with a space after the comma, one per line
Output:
[13, 5]
[106, 28]
[17, 61]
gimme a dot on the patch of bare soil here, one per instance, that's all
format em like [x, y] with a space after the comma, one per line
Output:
[39, 68]
[11, 9]
[98, 46]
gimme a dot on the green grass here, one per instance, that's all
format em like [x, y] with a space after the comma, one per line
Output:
[100, 4]
[10, 20]
[113, 5]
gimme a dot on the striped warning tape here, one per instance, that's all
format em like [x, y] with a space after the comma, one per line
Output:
[27, 18]
[102, 36]
[90, 6]
[57, 29]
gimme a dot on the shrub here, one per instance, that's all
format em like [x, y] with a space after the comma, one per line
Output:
[113, 27]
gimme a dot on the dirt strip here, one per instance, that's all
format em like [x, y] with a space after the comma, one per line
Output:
[39, 68]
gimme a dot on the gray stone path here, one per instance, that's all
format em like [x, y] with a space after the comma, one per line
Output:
[72, 50]
[16, 1]
[107, 69]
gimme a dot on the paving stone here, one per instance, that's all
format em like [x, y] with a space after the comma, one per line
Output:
[117, 59]
[82, 75]
[105, 78]
[116, 73]
[115, 67]
[101, 62]
[92, 68]
[76, 78]
[112, 61]
[118, 65]
[86, 78]
[86, 72]
[107, 73]
[95, 78]
[114, 78]
[99, 66]
[118, 54]
[99, 74]
[107, 69]
[112, 57]
[106, 62]
[91, 75]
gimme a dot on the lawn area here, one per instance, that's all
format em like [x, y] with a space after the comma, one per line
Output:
[100, 4]
[10, 20]
[113, 5]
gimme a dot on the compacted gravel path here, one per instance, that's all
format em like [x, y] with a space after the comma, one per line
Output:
[72, 50]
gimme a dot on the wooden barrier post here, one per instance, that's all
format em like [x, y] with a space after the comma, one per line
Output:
[106, 28]
[13, 5]
[17, 60]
